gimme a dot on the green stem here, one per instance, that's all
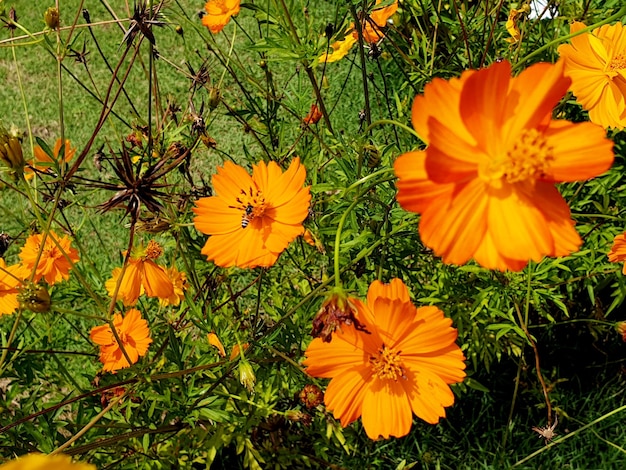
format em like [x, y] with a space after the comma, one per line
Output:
[381, 122]
[342, 221]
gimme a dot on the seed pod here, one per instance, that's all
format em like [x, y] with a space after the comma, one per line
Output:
[51, 18]
[34, 297]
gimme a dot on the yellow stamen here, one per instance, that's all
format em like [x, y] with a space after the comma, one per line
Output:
[387, 364]
[153, 250]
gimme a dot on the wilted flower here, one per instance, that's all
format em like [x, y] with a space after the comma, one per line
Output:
[314, 115]
[134, 335]
[311, 396]
[56, 260]
[511, 23]
[485, 185]
[252, 219]
[337, 310]
[402, 366]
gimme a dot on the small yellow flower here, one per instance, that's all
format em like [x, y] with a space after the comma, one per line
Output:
[340, 49]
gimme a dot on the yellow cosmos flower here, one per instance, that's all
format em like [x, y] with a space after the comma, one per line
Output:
[56, 260]
[10, 281]
[218, 14]
[45, 462]
[252, 219]
[485, 185]
[400, 364]
[340, 49]
[596, 63]
[134, 334]
[142, 274]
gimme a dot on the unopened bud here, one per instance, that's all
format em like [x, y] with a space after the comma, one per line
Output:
[246, 375]
[11, 151]
[214, 97]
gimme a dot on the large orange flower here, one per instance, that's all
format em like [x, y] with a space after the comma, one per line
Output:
[596, 63]
[56, 260]
[45, 462]
[252, 219]
[134, 334]
[142, 274]
[485, 185]
[218, 13]
[10, 280]
[618, 250]
[402, 364]
[42, 160]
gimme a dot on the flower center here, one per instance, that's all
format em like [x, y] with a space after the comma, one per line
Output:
[252, 204]
[387, 364]
[528, 159]
[153, 250]
[618, 62]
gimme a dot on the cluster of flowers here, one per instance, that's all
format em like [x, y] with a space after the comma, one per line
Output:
[46, 257]
[128, 340]
[485, 189]
[484, 186]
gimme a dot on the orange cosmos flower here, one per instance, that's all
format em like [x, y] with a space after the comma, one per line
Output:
[485, 185]
[56, 260]
[179, 283]
[402, 364]
[10, 280]
[218, 13]
[252, 219]
[371, 26]
[596, 63]
[45, 462]
[42, 157]
[142, 274]
[134, 334]
[618, 250]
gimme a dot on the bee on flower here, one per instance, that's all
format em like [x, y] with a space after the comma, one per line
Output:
[253, 218]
